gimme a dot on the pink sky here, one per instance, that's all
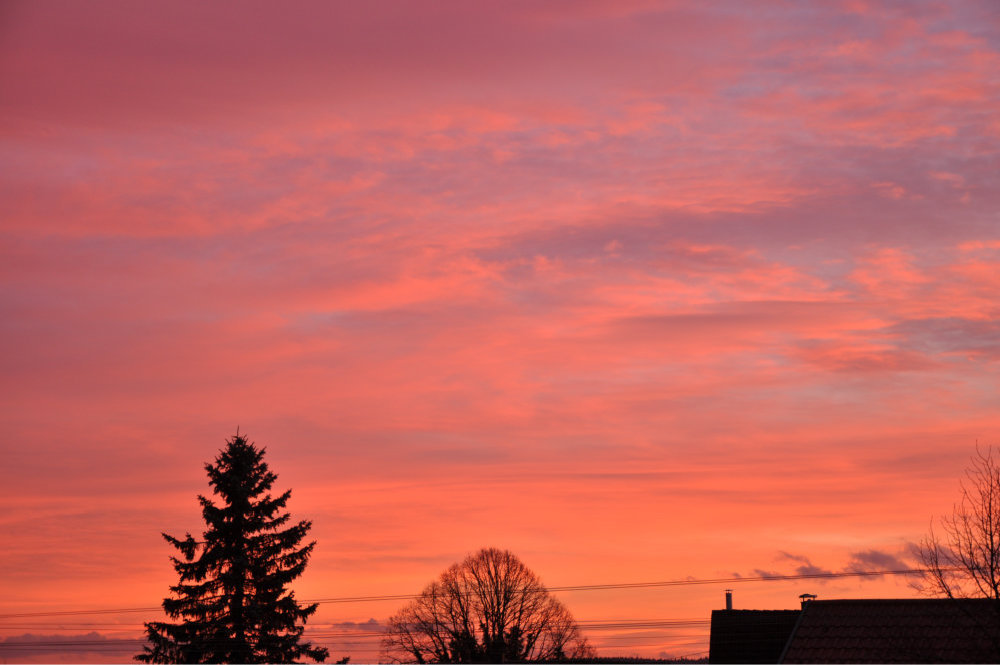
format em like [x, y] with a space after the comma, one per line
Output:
[638, 290]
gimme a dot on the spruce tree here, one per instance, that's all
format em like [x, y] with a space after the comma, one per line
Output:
[231, 599]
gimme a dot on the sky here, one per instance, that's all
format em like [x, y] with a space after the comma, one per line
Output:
[638, 290]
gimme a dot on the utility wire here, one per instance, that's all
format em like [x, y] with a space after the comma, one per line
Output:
[588, 625]
[731, 580]
[614, 624]
[577, 587]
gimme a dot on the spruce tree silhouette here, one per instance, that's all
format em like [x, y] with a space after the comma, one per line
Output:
[231, 597]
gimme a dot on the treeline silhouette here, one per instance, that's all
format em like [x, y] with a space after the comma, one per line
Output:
[232, 604]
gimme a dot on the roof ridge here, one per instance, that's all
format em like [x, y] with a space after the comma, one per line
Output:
[900, 600]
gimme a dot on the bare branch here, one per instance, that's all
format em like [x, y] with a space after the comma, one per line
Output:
[965, 562]
[489, 608]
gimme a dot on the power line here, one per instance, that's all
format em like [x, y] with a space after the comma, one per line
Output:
[594, 624]
[324, 639]
[362, 641]
[120, 610]
[350, 640]
[615, 624]
[587, 625]
[576, 587]
[731, 580]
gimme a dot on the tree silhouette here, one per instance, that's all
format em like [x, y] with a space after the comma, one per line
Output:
[490, 608]
[965, 562]
[231, 598]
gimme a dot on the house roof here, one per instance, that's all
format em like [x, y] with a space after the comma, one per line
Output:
[896, 631]
[750, 636]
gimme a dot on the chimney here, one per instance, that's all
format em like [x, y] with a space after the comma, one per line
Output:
[806, 597]
[729, 599]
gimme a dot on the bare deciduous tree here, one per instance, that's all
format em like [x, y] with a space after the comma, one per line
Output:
[964, 562]
[489, 608]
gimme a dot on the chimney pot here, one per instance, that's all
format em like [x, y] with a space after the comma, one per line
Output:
[729, 599]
